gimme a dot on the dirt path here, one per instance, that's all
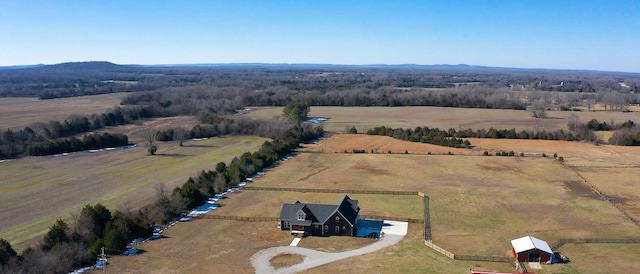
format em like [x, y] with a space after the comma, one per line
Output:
[312, 258]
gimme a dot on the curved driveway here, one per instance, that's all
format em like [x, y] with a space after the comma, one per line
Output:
[312, 258]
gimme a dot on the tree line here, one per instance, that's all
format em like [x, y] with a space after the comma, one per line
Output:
[421, 134]
[73, 144]
[66, 247]
[37, 136]
[70, 246]
[195, 191]
[626, 134]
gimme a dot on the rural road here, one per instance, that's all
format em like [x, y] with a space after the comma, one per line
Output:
[393, 233]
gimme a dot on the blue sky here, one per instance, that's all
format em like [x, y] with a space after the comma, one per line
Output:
[561, 34]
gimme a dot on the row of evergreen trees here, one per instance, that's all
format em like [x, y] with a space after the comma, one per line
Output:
[17, 143]
[195, 191]
[73, 144]
[421, 134]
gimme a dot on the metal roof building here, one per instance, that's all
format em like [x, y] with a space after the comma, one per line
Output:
[531, 249]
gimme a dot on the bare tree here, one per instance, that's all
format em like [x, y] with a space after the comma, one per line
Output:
[180, 134]
[539, 109]
[538, 125]
[573, 122]
[149, 135]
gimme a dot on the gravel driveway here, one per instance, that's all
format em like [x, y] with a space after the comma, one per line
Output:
[313, 258]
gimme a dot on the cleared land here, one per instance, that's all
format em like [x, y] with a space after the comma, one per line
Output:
[478, 204]
[364, 118]
[35, 191]
[482, 200]
[485, 201]
[255, 203]
[19, 112]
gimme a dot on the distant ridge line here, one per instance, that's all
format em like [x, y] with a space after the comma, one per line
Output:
[461, 67]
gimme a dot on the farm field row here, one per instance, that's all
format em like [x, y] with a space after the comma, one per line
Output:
[35, 191]
[364, 118]
[19, 112]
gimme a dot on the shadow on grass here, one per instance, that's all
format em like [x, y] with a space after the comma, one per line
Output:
[194, 145]
[176, 155]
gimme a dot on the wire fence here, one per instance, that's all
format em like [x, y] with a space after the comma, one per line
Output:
[239, 218]
[559, 243]
[350, 191]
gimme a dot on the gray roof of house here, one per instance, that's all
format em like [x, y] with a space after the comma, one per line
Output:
[319, 213]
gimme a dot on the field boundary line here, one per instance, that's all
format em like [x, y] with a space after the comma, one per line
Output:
[440, 250]
[238, 218]
[383, 192]
[559, 243]
[602, 194]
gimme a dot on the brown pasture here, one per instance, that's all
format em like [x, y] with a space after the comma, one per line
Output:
[364, 118]
[254, 203]
[478, 205]
[203, 246]
[19, 112]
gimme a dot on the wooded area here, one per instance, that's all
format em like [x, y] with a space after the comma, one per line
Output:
[211, 91]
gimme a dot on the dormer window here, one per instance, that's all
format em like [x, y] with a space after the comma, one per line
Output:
[301, 217]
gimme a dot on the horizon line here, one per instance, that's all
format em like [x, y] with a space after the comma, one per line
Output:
[319, 64]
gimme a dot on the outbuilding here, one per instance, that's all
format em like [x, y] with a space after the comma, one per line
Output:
[531, 249]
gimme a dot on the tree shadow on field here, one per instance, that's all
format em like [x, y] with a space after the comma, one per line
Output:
[176, 155]
[192, 145]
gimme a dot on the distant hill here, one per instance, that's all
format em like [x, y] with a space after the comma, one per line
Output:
[92, 65]
[105, 66]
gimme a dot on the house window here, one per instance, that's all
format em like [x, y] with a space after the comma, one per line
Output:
[337, 218]
[286, 224]
[326, 228]
[337, 229]
[301, 217]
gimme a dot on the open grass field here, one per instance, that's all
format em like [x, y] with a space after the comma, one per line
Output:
[136, 132]
[202, 246]
[484, 200]
[19, 112]
[35, 191]
[364, 118]
[478, 204]
[256, 203]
